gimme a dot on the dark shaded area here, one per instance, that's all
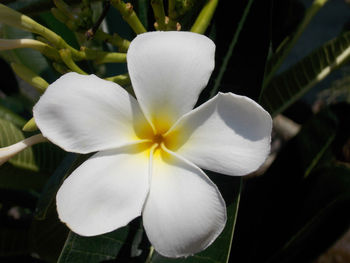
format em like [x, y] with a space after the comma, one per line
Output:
[245, 69]
[9, 85]
[286, 216]
[286, 16]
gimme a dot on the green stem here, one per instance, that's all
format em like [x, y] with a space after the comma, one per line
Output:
[111, 57]
[13, 18]
[45, 49]
[64, 8]
[311, 12]
[114, 39]
[122, 79]
[172, 24]
[30, 77]
[67, 59]
[150, 255]
[60, 16]
[60, 68]
[129, 15]
[172, 15]
[203, 20]
[159, 14]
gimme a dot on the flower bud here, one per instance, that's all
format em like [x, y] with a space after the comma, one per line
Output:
[30, 126]
[8, 152]
[13, 18]
[45, 49]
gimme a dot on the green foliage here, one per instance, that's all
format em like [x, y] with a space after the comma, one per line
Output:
[43, 157]
[9, 116]
[291, 212]
[290, 85]
[99, 248]
[30, 58]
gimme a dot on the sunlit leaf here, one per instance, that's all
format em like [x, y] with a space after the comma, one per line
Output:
[292, 84]
[42, 157]
[30, 168]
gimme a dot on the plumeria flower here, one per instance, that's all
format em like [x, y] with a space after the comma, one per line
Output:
[149, 150]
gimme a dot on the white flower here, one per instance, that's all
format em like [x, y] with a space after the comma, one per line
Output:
[149, 151]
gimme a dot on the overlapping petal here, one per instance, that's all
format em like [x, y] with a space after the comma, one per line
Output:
[85, 114]
[168, 70]
[229, 134]
[184, 212]
[106, 192]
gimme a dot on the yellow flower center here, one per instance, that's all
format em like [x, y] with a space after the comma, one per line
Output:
[158, 136]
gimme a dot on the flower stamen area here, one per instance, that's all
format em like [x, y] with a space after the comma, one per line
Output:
[158, 139]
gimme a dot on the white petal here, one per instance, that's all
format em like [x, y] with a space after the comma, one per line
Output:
[229, 134]
[184, 212]
[168, 70]
[106, 192]
[85, 114]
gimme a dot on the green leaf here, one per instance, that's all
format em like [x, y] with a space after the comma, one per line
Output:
[30, 168]
[117, 244]
[315, 138]
[48, 194]
[48, 20]
[41, 157]
[287, 44]
[219, 251]
[292, 84]
[19, 104]
[8, 115]
[10, 134]
[48, 236]
[142, 11]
